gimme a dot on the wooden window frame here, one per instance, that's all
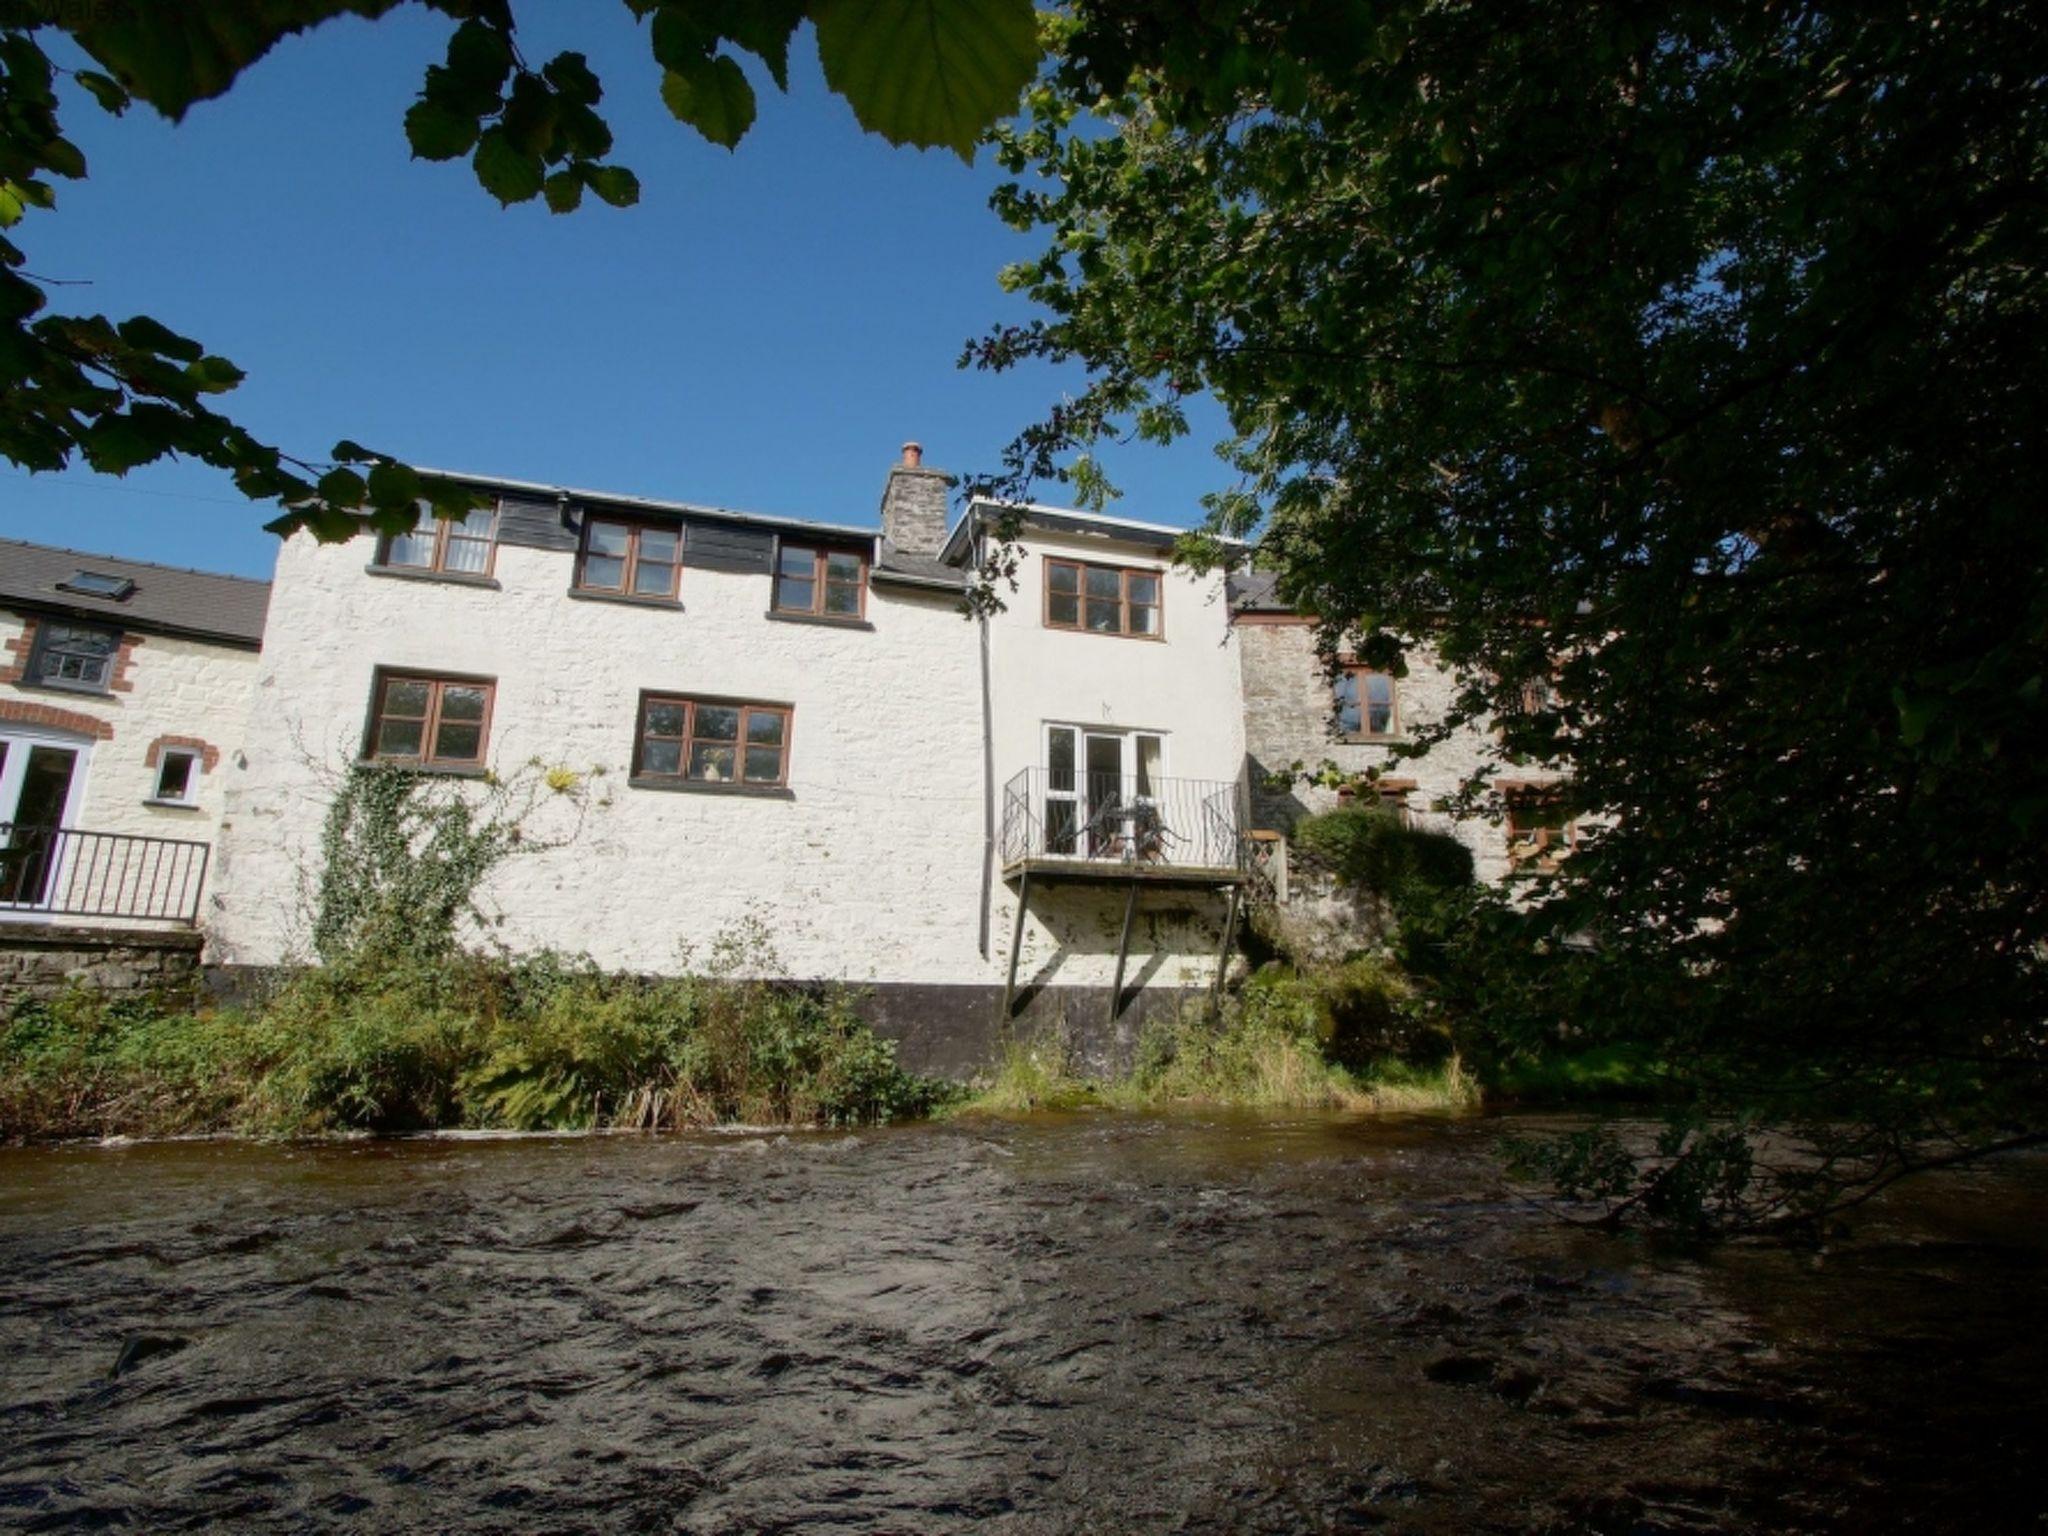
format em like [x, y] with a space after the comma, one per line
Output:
[430, 723]
[444, 533]
[1358, 671]
[1542, 846]
[635, 527]
[690, 702]
[45, 644]
[820, 555]
[1124, 573]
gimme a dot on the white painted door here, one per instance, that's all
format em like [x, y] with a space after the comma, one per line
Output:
[42, 779]
[1100, 786]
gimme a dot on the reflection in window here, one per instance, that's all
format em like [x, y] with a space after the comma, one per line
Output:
[826, 583]
[1366, 703]
[438, 722]
[713, 741]
[629, 559]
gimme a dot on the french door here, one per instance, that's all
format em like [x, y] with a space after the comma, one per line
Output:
[1101, 792]
[41, 777]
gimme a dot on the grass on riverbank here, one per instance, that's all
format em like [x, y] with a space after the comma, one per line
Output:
[471, 1042]
[1257, 1056]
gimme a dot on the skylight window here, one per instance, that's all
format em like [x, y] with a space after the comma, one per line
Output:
[98, 584]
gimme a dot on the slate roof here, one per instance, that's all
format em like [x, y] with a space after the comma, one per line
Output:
[167, 599]
[918, 570]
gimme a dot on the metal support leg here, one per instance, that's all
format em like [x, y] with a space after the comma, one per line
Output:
[1016, 943]
[1223, 954]
[1123, 953]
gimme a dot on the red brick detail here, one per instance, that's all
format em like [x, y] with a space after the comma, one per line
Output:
[20, 648]
[57, 719]
[208, 755]
[124, 665]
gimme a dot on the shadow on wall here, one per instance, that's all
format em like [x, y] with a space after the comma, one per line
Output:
[1273, 809]
[1072, 938]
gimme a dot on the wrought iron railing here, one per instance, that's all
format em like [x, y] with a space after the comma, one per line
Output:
[64, 872]
[1120, 818]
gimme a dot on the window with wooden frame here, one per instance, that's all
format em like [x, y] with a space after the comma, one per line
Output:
[627, 559]
[1368, 704]
[435, 722]
[75, 656]
[1104, 599]
[687, 740]
[1540, 828]
[445, 546]
[823, 583]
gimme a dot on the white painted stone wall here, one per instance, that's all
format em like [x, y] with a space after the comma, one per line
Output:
[1289, 718]
[869, 871]
[181, 688]
[874, 869]
[1185, 687]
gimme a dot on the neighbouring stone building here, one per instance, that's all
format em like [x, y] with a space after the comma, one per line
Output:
[1299, 717]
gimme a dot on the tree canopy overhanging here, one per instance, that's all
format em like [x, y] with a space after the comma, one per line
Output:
[82, 388]
[1681, 360]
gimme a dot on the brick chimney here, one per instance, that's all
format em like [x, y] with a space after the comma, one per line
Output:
[914, 505]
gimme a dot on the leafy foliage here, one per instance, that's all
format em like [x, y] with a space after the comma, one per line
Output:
[1674, 370]
[116, 396]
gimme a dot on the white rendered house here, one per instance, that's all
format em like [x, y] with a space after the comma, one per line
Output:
[795, 723]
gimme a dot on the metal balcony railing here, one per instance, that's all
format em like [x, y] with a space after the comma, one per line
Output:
[1096, 819]
[65, 872]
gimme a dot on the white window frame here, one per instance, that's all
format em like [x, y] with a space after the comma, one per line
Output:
[191, 795]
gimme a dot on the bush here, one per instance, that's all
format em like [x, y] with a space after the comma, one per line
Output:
[1374, 850]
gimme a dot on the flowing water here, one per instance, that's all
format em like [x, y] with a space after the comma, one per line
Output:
[1095, 1324]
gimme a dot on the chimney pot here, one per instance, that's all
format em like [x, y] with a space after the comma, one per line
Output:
[913, 455]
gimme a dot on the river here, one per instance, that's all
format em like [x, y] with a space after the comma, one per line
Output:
[1090, 1324]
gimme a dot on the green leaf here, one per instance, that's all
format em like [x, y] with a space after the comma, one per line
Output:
[569, 74]
[763, 28]
[173, 55]
[114, 445]
[680, 41]
[392, 484]
[438, 132]
[508, 173]
[713, 97]
[349, 451]
[106, 90]
[614, 183]
[63, 157]
[10, 205]
[343, 487]
[479, 55]
[214, 374]
[934, 73]
[150, 336]
[564, 192]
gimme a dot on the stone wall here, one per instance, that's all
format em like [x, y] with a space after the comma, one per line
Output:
[40, 961]
[1289, 715]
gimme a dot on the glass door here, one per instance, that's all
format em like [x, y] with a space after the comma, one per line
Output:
[39, 782]
[1106, 812]
[1102, 793]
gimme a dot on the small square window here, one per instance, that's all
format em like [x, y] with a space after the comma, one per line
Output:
[437, 722]
[624, 559]
[177, 777]
[451, 546]
[98, 584]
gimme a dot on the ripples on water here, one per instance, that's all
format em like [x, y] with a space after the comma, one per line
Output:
[1100, 1324]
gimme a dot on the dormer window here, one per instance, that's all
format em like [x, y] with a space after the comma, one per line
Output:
[824, 583]
[446, 546]
[116, 589]
[75, 656]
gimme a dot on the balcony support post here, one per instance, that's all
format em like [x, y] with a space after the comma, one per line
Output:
[1123, 953]
[1016, 944]
[1223, 951]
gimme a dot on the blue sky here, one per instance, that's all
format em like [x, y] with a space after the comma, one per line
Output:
[762, 331]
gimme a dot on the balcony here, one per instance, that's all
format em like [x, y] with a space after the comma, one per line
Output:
[64, 872]
[1062, 825]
